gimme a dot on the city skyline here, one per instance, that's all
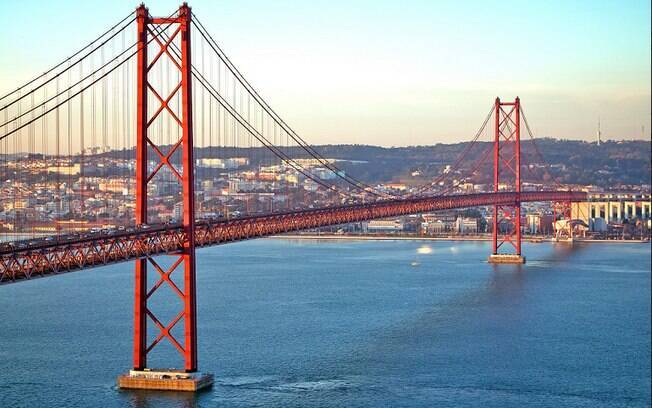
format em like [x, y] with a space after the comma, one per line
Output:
[386, 75]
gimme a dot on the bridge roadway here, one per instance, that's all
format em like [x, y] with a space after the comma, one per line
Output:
[66, 253]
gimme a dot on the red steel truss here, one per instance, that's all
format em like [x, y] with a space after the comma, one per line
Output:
[185, 251]
[67, 255]
[507, 174]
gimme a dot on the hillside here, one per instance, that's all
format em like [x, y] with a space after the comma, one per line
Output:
[568, 161]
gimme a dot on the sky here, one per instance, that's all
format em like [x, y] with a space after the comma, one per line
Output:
[394, 73]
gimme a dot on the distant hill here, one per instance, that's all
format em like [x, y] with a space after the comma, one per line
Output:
[610, 164]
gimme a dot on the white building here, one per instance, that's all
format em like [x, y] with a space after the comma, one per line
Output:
[384, 226]
[230, 163]
[465, 225]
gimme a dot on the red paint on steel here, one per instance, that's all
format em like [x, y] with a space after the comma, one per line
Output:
[517, 155]
[140, 276]
[190, 306]
[507, 171]
[66, 255]
[494, 231]
[185, 252]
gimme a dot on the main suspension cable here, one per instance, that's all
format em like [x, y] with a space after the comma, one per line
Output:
[294, 135]
[475, 168]
[460, 157]
[80, 81]
[67, 59]
[67, 99]
[253, 131]
[537, 151]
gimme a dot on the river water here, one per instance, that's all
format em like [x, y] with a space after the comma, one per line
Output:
[351, 324]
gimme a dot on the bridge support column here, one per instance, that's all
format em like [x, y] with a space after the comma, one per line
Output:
[175, 46]
[507, 176]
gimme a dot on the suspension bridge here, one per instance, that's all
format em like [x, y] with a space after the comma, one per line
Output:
[112, 156]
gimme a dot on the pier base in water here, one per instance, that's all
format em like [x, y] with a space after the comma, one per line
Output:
[167, 380]
[506, 259]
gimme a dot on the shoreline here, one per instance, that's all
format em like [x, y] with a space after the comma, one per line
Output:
[317, 237]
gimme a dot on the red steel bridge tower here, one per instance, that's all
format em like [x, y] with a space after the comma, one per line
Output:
[507, 176]
[184, 260]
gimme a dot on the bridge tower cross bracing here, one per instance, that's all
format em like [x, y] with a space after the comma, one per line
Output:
[142, 376]
[507, 175]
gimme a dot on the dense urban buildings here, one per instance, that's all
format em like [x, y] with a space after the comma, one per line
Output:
[95, 191]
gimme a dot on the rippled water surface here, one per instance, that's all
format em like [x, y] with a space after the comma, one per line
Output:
[351, 324]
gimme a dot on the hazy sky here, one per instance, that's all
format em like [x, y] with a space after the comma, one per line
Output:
[394, 72]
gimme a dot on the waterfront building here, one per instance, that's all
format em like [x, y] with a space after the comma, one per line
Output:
[383, 226]
[612, 208]
[464, 225]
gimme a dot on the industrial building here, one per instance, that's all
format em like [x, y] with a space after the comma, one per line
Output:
[612, 208]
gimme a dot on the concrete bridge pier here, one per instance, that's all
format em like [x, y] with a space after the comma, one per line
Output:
[506, 259]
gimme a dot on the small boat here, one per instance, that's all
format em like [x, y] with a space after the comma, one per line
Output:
[415, 263]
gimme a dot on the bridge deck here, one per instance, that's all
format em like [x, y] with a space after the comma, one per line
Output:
[37, 258]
